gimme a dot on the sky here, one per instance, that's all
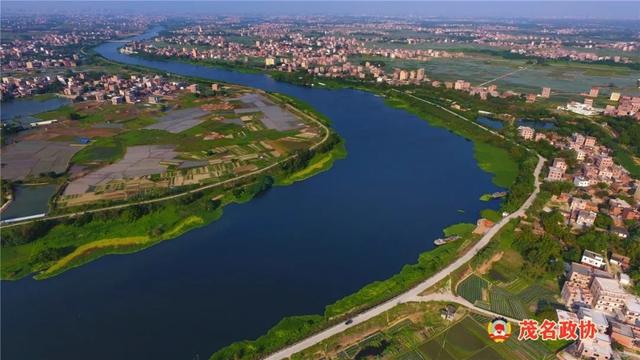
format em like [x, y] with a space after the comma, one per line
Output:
[439, 9]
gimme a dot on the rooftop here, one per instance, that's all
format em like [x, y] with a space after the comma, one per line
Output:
[610, 285]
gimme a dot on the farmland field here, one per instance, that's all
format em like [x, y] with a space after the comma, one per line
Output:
[468, 339]
[534, 292]
[472, 287]
[505, 303]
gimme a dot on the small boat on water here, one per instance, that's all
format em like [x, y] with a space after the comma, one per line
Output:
[448, 239]
[499, 194]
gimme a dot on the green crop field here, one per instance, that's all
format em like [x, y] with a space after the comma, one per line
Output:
[517, 285]
[505, 303]
[468, 339]
[471, 288]
[534, 293]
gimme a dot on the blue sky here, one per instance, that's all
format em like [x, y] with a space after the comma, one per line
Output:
[440, 9]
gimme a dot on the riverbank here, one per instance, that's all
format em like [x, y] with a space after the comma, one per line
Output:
[512, 167]
[490, 152]
[52, 246]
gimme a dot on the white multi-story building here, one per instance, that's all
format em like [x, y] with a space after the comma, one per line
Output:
[592, 259]
[580, 181]
[608, 295]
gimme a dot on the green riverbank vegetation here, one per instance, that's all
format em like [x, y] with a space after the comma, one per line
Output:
[49, 247]
[292, 329]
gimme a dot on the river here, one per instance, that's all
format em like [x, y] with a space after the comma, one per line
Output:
[20, 110]
[290, 251]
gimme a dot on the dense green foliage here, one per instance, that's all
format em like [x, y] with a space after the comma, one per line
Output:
[557, 187]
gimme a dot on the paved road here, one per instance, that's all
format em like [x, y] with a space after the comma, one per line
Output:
[413, 294]
[449, 297]
[205, 187]
[503, 76]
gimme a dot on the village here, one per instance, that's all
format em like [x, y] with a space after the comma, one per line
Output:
[597, 193]
[599, 187]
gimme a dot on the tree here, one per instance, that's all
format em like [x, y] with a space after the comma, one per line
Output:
[553, 223]
[557, 187]
[603, 221]
[594, 241]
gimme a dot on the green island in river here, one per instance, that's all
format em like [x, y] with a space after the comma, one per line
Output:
[231, 144]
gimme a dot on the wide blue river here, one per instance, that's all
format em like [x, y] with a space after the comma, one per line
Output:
[289, 252]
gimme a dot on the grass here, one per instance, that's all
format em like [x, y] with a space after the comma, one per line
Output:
[86, 249]
[486, 197]
[103, 150]
[497, 161]
[103, 234]
[428, 263]
[461, 229]
[491, 214]
[87, 252]
[319, 163]
[626, 160]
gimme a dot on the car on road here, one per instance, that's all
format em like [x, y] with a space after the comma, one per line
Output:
[348, 322]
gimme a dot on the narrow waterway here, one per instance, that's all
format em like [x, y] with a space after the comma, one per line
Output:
[289, 252]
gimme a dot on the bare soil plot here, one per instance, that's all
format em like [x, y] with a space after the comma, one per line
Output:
[35, 157]
[274, 116]
[138, 161]
[67, 129]
[177, 121]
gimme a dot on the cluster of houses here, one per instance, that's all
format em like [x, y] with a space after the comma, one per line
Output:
[47, 51]
[118, 89]
[625, 105]
[13, 87]
[331, 63]
[46, 63]
[326, 55]
[595, 290]
[114, 88]
[484, 92]
[594, 172]
[558, 52]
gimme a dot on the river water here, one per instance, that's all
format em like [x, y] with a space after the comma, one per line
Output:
[289, 252]
[20, 110]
